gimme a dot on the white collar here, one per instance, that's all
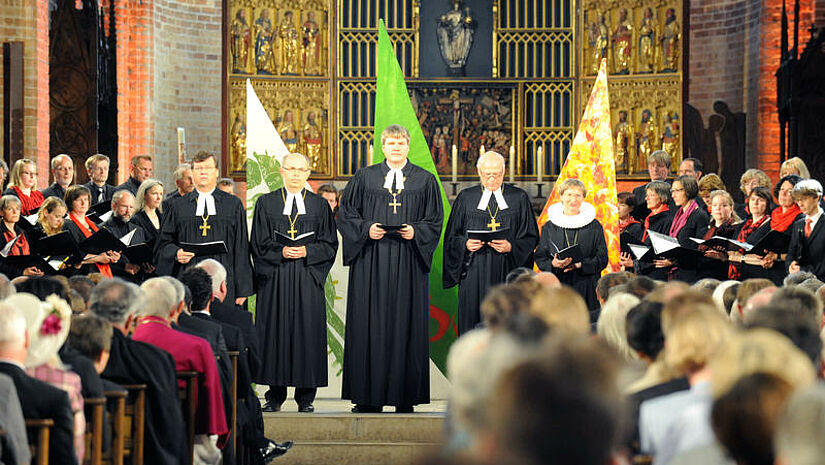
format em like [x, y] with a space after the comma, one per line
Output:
[13, 362]
[397, 174]
[485, 198]
[26, 191]
[206, 201]
[555, 213]
[815, 217]
[298, 199]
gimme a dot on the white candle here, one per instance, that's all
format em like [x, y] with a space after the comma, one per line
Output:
[512, 164]
[182, 145]
[481, 150]
[369, 155]
[539, 166]
[455, 163]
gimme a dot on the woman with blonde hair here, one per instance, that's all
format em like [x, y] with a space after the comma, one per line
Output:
[50, 217]
[149, 208]
[23, 185]
[723, 223]
[709, 183]
[750, 179]
[612, 324]
[572, 222]
[794, 165]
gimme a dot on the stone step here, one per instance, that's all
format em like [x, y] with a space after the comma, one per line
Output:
[354, 453]
[417, 428]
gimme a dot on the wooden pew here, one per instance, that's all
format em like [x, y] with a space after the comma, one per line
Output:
[233, 426]
[117, 423]
[40, 450]
[93, 438]
[187, 396]
[134, 422]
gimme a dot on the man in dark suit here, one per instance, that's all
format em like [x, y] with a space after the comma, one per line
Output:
[184, 184]
[141, 168]
[63, 175]
[658, 166]
[37, 399]
[806, 251]
[97, 167]
[133, 362]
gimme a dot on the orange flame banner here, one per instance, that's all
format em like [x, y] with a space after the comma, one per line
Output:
[591, 161]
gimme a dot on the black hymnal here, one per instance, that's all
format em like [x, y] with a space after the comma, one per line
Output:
[26, 261]
[100, 208]
[139, 253]
[775, 241]
[101, 241]
[717, 243]
[574, 252]
[204, 248]
[297, 241]
[485, 236]
[391, 227]
[58, 245]
[668, 247]
[625, 239]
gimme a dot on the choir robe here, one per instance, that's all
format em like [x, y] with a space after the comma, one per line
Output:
[150, 233]
[386, 352]
[228, 224]
[476, 272]
[190, 353]
[777, 273]
[564, 231]
[135, 362]
[808, 252]
[660, 223]
[695, 226]
[291, 305]
[11, 271]
[120, 228]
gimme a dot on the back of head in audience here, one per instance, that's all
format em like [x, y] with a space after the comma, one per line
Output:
[14, 340]
[6, 287]
[161, 298]
[694, 339]
[641, 286]
[504, 301]
[518, 272]
[761, 298]
[609, 281]
[92, 337]
[683, 304]
[115, 300]
[798, 439]
[200, 284]
[802, 329]
[706, 285]
[797, 277]
[561, 308]
[561, 406]
[612, 323]
[724, 295]
[547, 279]
[747, 289]
[83, 285]
[42, 287]
[799, 299]
[644, 330]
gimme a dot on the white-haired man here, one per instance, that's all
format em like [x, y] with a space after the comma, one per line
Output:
[63, 175]
[475, 265]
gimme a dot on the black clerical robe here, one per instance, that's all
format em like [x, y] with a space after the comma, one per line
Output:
[228, 224]
[134, 362]
[291, 305]
[590, 239]
[476, 272]
[386, 352]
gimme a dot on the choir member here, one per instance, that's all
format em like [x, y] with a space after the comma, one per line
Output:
[292, 317]
[657, 199]
[794, 165]
[227, 185]
[63, 175]
[207, 215]
[23, 184]
[689, 220]
[750, 179]
[386, 352]
[807, 249]
[476, 266]
[723, 223]
[757, 226]
[10, 214]
[570, 222]
[149, 209]
[97, 167]
[658, 167]
[141, 168]
[331, 195]
[81, 227]
[120, 224]
[51, 216]
[628, 224]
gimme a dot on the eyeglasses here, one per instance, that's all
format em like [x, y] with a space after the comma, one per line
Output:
[492, 175]
[203, 169]
[296, 170]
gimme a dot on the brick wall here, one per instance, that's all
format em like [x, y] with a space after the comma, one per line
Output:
[27, 21]
[187, 79]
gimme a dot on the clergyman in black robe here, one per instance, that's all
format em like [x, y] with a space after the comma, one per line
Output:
[291, 304]
[386, 352]
[563, 230]
[477, 266]
[192, 220]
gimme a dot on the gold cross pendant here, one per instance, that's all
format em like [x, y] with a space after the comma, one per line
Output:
[493, 225]
[204, 227]
[292, 232]
[394, 204]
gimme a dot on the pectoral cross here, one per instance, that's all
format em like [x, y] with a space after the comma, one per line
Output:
[493, 225]
[292, 232]
[204, 227]
[394, 204]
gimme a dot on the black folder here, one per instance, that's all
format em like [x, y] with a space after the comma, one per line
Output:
[301, 239]
[668, 247]
[27, 225]
[717, 243]
[574, 252]
[625, 239]
[59, 245]
[101, 241]
[485, 236]
[205, 248]
[25, 261]
[139, 253]
[391, 227]
[775, 241]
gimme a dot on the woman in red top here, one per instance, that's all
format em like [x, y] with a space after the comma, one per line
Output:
[10, 214]
[23, 185]
[78, 199]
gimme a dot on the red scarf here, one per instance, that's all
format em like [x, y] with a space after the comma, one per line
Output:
[84, 228]
[713, 229]
[682, 215]
[28, 202]
[623, 224]
[782, 221]
[21, 247]
[662, 209]
[734, 271]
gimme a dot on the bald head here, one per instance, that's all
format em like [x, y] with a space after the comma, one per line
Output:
[490, 167]
[547, 280]
[760, 299]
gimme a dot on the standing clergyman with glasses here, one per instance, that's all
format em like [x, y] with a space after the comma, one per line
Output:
[477, 264]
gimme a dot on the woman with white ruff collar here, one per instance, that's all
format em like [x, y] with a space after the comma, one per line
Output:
[573, 222]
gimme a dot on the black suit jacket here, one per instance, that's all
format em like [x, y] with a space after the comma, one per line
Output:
[42, 400]
[242, 319]
[809, 252]
[130, 185]
[108, 191]
[55, 190]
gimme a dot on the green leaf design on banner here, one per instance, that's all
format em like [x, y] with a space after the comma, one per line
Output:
[253, 173]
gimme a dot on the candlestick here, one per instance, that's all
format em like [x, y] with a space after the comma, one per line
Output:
[182, 146]
[369, 155]
[481, 150]
[539, 166]
[512, 164]
[455, 164]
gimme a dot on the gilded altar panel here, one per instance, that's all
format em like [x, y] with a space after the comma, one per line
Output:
[301, 113]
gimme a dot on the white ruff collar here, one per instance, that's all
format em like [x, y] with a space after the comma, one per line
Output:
[587, 213]
[485, 199]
